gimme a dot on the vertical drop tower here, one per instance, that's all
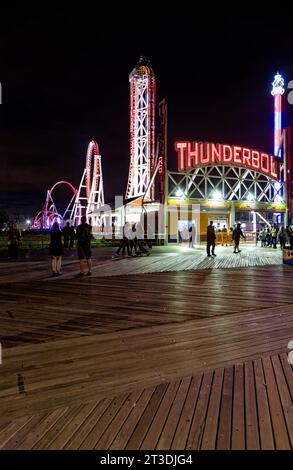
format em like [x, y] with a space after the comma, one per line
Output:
[142, 131]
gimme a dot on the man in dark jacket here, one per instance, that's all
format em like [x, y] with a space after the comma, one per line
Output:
[83, 237]
[211, 239]
[237, 233]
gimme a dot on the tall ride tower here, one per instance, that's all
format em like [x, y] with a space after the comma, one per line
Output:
[277, 92]
[142, 131]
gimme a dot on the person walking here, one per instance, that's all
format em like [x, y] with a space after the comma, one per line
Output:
[191, 235]
[237, 233]
[211, 239]
[84, 237]
[55, 249]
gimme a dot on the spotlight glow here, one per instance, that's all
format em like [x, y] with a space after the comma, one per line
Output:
[217, 196]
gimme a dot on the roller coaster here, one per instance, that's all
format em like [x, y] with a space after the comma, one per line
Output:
[83, 201]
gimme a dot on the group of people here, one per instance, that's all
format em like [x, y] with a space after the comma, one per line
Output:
[83, 238]
[271, 236]
[211, 238]
[133, 241]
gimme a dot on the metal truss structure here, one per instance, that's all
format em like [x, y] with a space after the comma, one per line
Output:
[224, 182]
[142, 131]
[90, 194]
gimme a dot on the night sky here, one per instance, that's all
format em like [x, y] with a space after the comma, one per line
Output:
[65, 82]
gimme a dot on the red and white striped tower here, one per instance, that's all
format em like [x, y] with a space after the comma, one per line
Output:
[142, 131]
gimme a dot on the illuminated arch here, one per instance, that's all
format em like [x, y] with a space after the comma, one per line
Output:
[46, 216]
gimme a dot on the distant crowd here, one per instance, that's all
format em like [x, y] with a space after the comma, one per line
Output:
[272, 236]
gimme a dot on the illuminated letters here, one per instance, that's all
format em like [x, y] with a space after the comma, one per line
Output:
[264, 163]
[216, 153]
[255, 159]
[180, 146]
[194, 154]
[236, 154]
[227, 153]
[246, 155]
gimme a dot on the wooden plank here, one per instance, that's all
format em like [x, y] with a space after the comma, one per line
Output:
[252, 434]
[238, 414]
[15, 441]
[211, 424]
[199, 417]
[102, 424]
[147, 418]
[286, 400]
[128, 427]
[113, 429]
[64, 430]
[80, 434]
[225, 417]
[264, 419]
[36, 433]
[287, 369]
[153, 434]
[277, 416]
[9, 430]
[171, 423]
[182, 431]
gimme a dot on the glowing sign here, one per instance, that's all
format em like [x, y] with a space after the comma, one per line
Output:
[197, 154]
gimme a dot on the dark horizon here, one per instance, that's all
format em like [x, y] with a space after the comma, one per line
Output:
[65, 83]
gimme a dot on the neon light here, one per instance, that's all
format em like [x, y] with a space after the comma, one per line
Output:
[198, 154]
[277, 91]
[180, 147]
[142, 131]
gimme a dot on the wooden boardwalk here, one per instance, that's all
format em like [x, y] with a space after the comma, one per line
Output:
[162, 259]
[246, 406]
[186, 359]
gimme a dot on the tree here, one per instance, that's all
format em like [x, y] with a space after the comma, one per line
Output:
[4, 219]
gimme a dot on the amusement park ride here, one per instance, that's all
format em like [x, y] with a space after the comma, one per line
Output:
[245, 178]
[84, 201]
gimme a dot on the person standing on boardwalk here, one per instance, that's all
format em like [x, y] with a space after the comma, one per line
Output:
[66, 235]
[72, 237]
[225, 236]
[55, 249]
[211, 239]
[14, 240]
[84, 237]
[237, 233]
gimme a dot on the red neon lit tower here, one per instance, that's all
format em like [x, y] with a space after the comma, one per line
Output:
[277, 92]
[142, 131]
